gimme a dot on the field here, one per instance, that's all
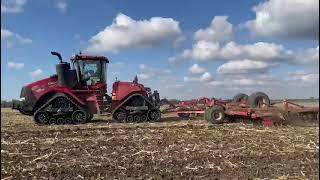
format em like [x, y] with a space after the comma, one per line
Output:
[171, 149]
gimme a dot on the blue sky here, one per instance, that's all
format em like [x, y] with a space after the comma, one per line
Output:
[245, 49]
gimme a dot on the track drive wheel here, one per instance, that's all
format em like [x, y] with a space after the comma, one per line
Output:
[41, 117]
[154, 115]
[215, 115]
[79, 117]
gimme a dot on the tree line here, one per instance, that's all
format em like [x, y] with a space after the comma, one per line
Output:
[6, 104]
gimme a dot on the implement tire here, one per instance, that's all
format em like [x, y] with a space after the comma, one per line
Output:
[258, 100]
[240, 97]
[215, 115]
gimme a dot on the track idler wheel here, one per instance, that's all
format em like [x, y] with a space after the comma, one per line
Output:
[79, 117]
[41, 117]
[154, 115]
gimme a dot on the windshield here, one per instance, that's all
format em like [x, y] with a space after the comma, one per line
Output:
[90, 72]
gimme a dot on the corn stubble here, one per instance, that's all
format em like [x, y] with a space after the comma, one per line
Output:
[173, 148]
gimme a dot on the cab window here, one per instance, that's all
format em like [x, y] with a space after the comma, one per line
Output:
[90, 72]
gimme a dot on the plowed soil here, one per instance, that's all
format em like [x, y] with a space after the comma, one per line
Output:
[171, 149]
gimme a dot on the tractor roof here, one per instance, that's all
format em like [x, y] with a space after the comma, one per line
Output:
[83, 57]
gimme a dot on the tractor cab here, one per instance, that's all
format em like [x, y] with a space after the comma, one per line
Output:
[86, 71]
[90, 70]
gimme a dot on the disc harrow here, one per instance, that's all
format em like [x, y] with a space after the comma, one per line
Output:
[255, 108]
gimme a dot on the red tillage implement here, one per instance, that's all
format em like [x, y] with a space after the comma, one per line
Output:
[256, 108]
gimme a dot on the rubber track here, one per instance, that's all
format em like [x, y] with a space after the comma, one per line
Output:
[55, 96]
[136, 94]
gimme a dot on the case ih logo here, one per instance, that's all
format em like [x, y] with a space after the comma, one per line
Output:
[37, 89]
[52, 84]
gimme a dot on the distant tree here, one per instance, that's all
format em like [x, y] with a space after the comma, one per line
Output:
[6, 104]
[174, 101]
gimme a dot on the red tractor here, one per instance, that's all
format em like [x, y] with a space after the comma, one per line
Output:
[79, 90]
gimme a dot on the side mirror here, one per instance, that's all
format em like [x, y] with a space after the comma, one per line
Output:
[57, 54]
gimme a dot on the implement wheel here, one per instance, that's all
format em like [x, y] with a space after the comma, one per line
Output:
[240, 98]
[258, 100]
[215, 115]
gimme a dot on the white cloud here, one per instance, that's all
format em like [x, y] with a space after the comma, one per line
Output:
[237, 82]
[12, 6]
[306, 77]
[220, 30]
[179, 40]
[242, 66]
[143, 76]
[142, 66]
[202, 51]
[6, 33]
[36, 73]
[11, 37]
[126, 32]
[196, 69]
[117, 65]
[174, 86]
[62, 6]
[147, 72]
[260, 51]
[310, 78]
[13, 65]
[310, 55]
[287, 18]
[23, 40]
[205, 77]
